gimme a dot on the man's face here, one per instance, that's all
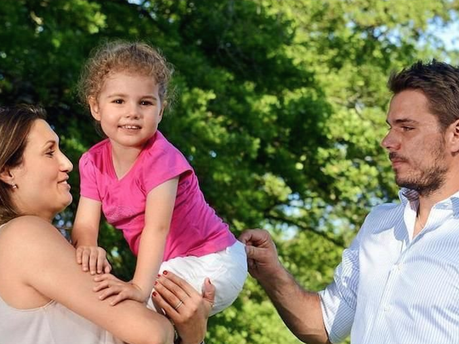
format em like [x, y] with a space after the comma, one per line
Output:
[416, 143]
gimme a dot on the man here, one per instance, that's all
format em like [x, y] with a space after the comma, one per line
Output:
[398, 282]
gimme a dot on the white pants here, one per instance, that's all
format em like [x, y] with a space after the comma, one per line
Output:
[226, 269]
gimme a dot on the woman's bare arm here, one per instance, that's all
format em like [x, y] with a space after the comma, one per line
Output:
[40, 258]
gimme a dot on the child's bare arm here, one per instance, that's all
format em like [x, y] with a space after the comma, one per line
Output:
[158, 216]
[84, 237]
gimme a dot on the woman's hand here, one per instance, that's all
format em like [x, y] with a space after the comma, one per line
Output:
[186, 308]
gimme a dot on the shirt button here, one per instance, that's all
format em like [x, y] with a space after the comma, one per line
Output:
[387, 308]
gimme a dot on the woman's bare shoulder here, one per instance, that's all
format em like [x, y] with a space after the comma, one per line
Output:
[26, 232]
[26, 221]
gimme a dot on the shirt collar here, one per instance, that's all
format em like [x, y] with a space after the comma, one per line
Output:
[452, 202]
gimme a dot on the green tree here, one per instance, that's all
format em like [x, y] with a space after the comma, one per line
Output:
[280, 107]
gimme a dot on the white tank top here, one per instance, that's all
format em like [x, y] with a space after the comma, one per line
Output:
[50, 324]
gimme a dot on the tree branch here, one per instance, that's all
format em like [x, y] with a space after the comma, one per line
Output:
[337, 242]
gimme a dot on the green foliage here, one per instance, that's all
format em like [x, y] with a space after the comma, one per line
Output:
[279, 107]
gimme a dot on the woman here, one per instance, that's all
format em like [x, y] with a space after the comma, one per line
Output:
[44, 295]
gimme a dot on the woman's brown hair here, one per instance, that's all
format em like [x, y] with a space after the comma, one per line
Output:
[15, 125]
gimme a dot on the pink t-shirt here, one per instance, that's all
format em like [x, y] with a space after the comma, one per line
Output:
[195, 228]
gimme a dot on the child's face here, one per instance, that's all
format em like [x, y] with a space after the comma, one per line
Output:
[128, 108]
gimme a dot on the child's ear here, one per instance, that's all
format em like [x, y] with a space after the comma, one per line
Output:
[163, 108]
[94, 107]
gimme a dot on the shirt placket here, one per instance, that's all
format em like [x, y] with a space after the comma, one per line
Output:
[380, 331]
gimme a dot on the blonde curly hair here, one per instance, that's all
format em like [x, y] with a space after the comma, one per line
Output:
[130, 57]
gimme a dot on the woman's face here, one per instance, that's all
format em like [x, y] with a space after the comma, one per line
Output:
[41, 179]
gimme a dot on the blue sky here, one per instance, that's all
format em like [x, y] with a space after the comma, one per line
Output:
[449, 35]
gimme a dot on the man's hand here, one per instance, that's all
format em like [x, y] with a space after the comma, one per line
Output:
[108, 285]
[262, 258]
[300, 309]
[93, 259]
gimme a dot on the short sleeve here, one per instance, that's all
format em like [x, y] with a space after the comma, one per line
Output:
[163, 163]
[88, 180]
[339, 299]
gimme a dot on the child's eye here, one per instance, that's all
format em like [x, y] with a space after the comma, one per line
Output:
[405, 128]
[50, 153]
[118, 101]
[146, 102]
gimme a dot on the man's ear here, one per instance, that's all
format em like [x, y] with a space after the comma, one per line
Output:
[94, 107]
[454, 136]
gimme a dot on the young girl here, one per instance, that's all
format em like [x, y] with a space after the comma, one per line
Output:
[145, 186]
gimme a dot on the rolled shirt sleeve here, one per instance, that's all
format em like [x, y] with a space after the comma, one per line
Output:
[339, 299]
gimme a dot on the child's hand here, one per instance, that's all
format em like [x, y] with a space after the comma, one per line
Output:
[94, 259]
[108, 285]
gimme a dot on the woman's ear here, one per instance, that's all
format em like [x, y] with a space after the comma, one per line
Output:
[94, 107]
[7, 177]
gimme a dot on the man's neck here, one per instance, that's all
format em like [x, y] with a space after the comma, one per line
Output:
[449, 188]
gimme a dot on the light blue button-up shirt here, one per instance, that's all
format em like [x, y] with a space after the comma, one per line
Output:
[393, 289]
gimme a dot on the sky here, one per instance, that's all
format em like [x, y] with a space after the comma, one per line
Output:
[449, 35]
